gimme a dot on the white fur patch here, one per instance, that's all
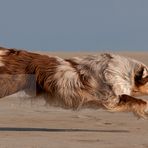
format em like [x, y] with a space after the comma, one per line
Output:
[1, 63]
[145, 73]
[67, 78]
[3, 52]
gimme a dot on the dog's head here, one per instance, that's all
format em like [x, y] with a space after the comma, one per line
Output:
[141, 81]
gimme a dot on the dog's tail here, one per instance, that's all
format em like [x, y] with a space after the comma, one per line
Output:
[23, 70]
[14, 75]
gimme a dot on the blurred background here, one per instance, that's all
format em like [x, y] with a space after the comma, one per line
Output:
[74, 25]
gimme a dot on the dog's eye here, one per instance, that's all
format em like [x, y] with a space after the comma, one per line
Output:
[141, 76]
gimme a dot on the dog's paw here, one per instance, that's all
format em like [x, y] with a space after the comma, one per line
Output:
[146, 109]
[141, 110]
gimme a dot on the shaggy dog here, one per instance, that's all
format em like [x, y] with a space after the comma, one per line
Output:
[104, 81]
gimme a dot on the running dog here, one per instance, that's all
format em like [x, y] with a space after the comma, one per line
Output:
[107, 81]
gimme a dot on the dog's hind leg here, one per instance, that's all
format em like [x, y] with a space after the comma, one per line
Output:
[130, 104]
[10, 84]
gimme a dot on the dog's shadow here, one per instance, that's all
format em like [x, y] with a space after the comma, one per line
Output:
[30, 129]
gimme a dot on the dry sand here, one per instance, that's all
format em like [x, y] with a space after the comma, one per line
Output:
[26, 124]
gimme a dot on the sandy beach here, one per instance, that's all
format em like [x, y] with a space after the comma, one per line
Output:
[29, 124]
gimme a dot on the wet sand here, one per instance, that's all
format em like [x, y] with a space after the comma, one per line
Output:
[27, 124]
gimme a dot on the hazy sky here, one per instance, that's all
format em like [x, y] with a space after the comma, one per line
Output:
[74, 24]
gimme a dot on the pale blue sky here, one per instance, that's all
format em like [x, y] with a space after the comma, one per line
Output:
[74, 24]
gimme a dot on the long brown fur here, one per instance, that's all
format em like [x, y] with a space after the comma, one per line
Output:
[108, 81]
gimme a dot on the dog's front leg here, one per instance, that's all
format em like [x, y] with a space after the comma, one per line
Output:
[128, 103]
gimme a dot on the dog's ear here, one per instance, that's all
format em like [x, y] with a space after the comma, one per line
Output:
[141, 76]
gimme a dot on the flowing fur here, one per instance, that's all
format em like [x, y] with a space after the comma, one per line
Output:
[108, 81]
